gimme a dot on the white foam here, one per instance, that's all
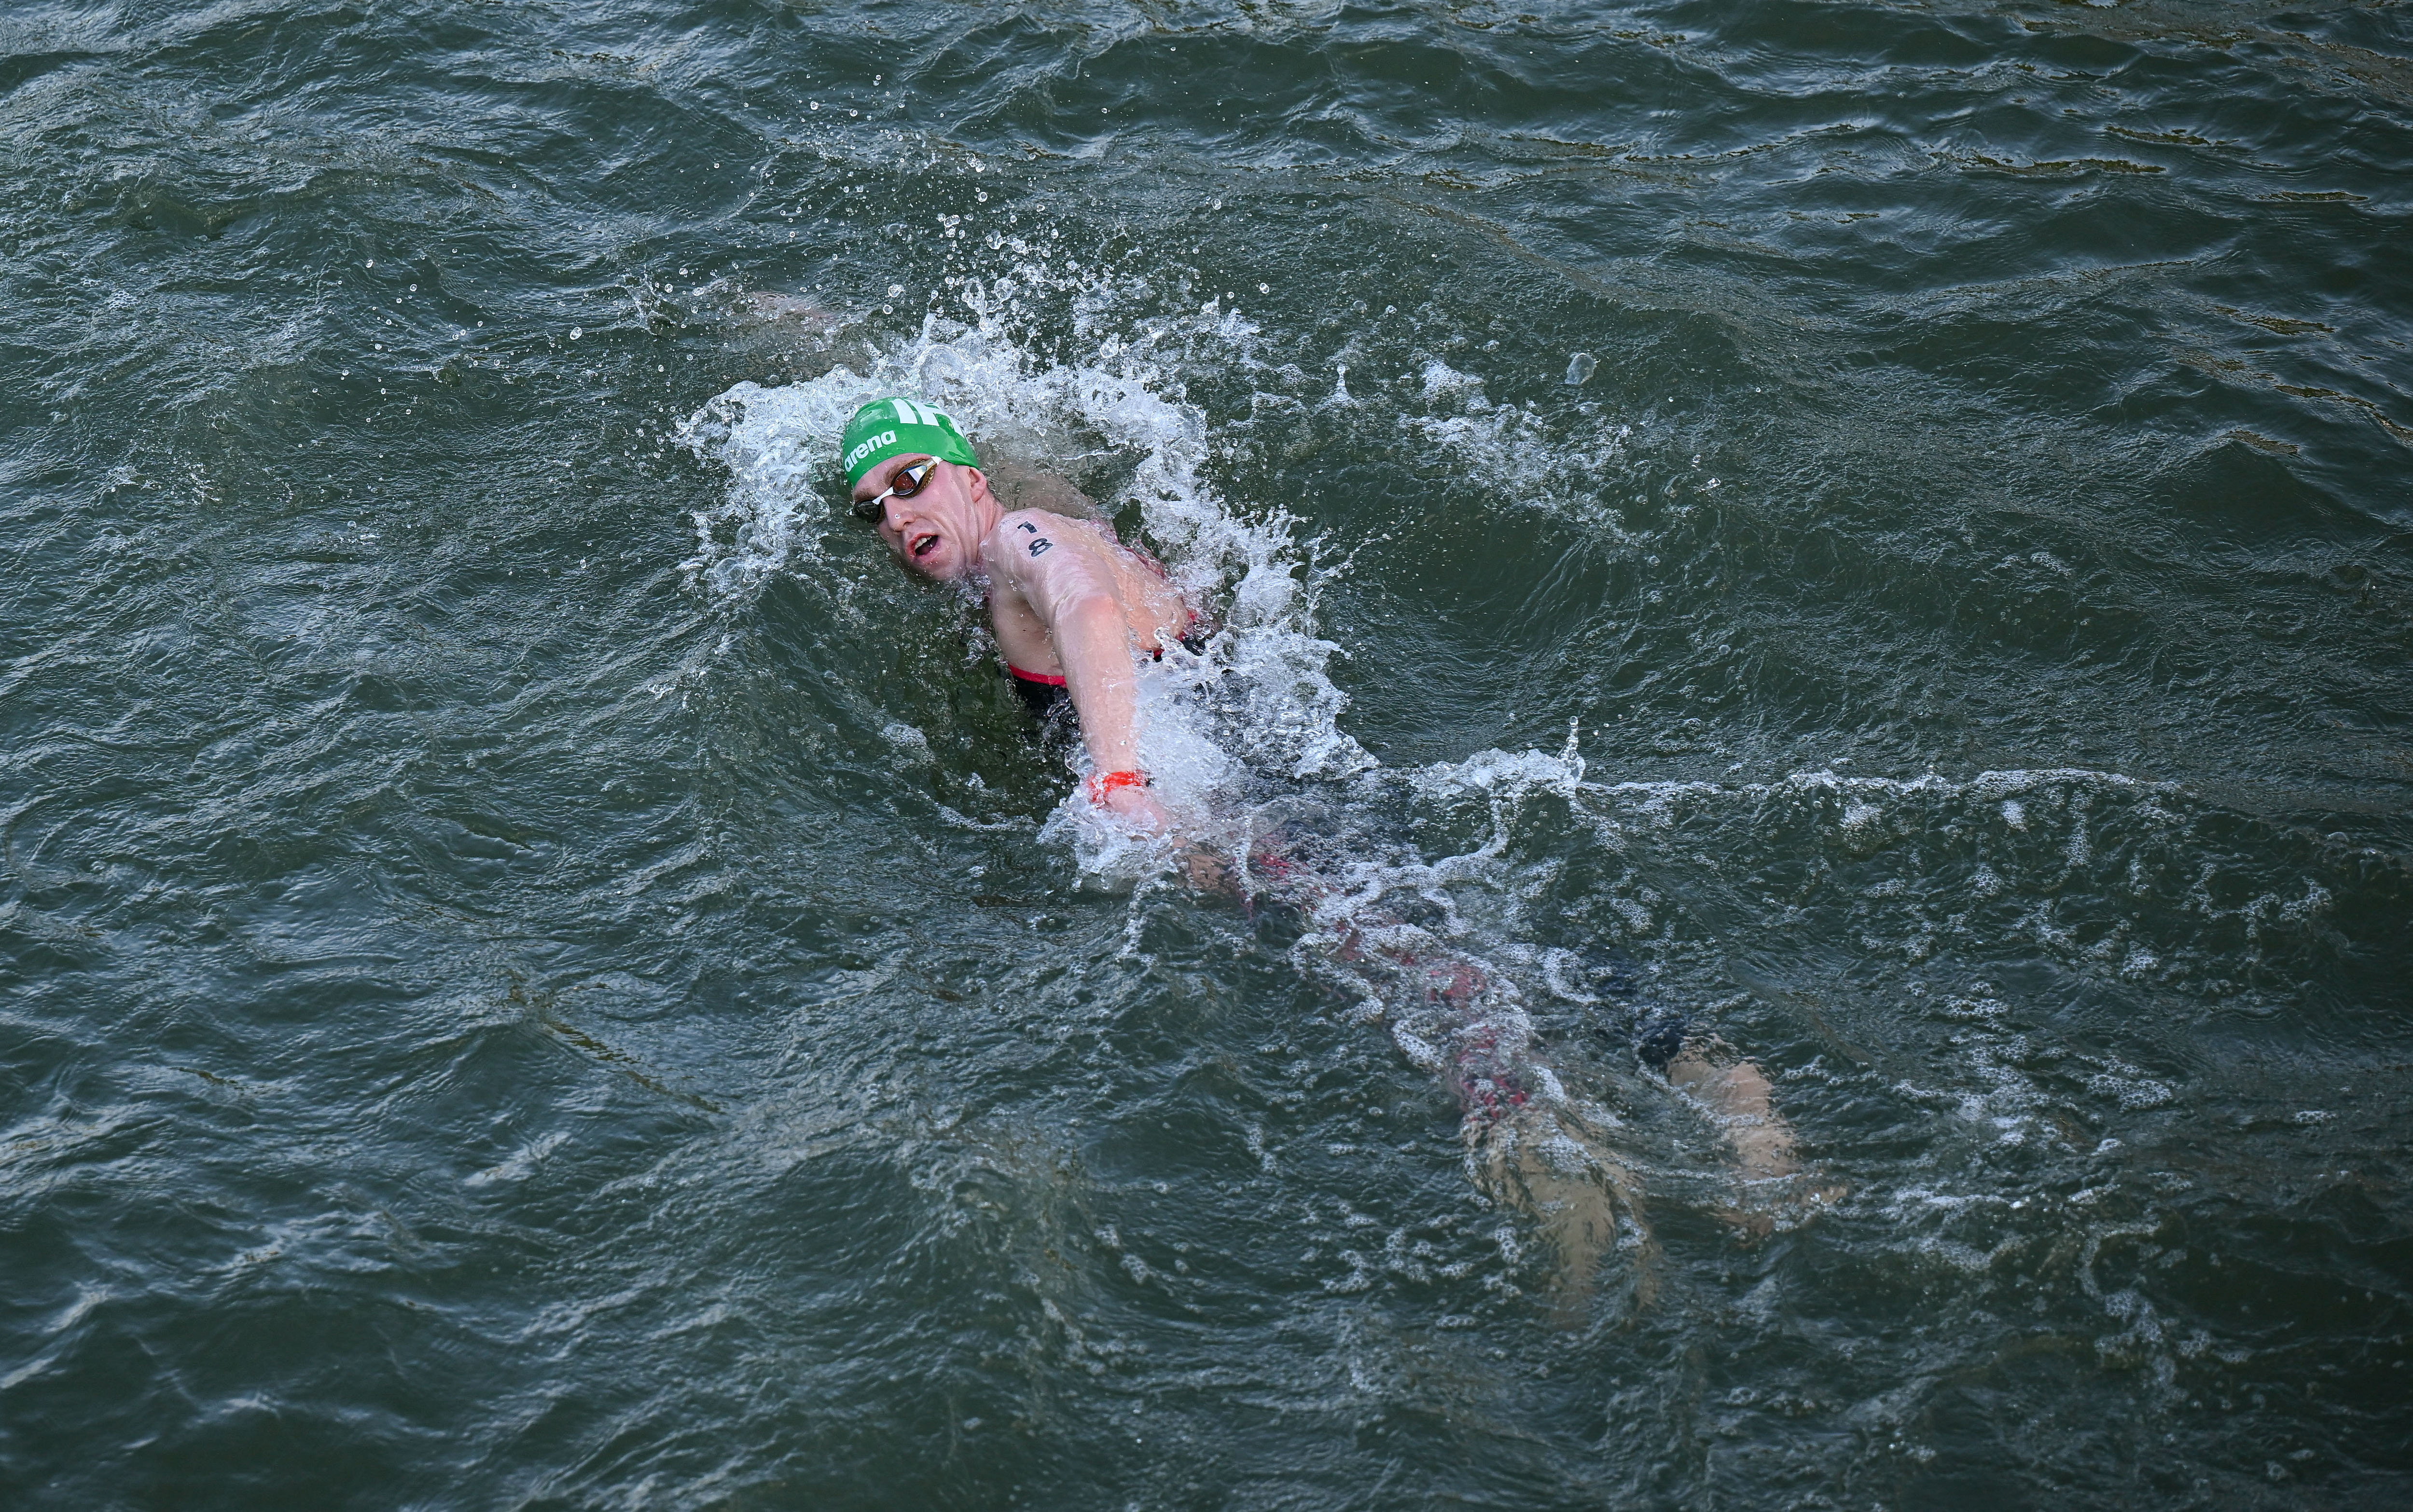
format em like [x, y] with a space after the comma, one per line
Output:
[779, 445]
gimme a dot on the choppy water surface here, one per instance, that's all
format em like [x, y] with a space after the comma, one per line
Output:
[540, 970]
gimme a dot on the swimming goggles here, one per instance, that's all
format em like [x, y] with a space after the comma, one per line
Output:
[902, 484]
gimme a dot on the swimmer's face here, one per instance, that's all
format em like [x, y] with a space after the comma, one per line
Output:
[935, 528]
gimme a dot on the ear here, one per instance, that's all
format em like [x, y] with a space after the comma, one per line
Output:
[977, 489]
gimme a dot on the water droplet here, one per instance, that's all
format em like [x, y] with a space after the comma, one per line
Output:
[1580, 367]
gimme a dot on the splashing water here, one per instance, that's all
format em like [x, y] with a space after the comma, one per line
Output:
[1281, 706]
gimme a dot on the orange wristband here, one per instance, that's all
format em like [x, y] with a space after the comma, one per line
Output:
[1107, 781]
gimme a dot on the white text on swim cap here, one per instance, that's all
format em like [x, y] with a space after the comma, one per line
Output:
[866, 446]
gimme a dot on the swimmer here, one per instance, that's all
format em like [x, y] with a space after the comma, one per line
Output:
[1076, 611]
[1073, 609]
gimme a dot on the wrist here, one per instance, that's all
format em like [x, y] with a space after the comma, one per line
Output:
[1103, 784]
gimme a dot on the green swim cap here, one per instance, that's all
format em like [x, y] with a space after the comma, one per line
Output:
[888, 427]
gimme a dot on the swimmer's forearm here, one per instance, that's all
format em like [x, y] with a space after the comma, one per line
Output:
[1073, 595]
[1093, 641]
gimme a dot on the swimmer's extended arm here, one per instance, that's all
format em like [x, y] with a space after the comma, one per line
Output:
[1074, 596]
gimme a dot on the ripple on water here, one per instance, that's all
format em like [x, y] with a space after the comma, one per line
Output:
[538, 970]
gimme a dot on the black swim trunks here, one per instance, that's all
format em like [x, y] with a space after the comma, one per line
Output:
[1043, 693]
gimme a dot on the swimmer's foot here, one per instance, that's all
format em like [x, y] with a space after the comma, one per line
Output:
[1738, 1100]
[1775, 1190]
[1585, 1204]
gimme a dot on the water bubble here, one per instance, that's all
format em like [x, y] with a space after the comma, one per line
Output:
[1581, 368]
[576, 332]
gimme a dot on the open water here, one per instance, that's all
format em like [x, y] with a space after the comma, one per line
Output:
[538, 971]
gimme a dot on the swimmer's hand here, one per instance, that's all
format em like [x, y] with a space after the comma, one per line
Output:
[1138, 809]
[786, 309]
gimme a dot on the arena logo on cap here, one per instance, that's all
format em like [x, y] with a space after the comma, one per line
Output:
[866, 446]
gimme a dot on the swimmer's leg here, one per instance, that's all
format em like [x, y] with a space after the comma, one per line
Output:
[1524, 1151]
[1527, 1150]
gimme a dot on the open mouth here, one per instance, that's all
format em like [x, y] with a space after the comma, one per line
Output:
[922, 545]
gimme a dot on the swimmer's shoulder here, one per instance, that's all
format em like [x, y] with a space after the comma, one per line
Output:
[1019, 485]
[1039, 522]
[1028, 536]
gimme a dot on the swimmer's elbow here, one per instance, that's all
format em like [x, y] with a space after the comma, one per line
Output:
[1087, 609]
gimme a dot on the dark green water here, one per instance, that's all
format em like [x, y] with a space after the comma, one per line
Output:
[539, 971]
